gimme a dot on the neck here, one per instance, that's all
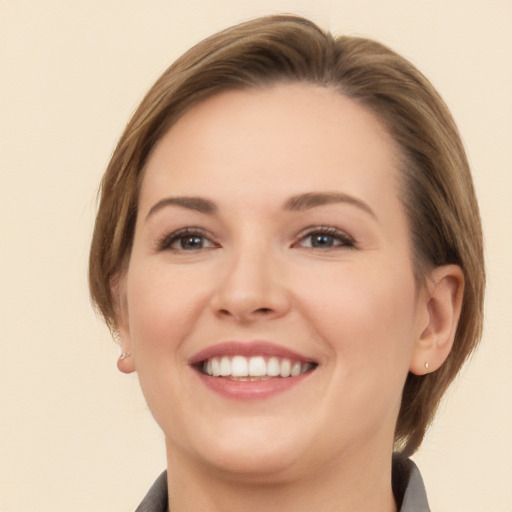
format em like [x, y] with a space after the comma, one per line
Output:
[357, 485]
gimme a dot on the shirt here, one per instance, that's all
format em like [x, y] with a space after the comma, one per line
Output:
[407, 484]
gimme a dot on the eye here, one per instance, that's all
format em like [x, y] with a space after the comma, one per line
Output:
[188, 239]
[325, 238]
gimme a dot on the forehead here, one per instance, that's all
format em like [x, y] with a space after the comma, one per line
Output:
[285, 139]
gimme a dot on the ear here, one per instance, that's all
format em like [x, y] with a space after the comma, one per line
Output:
[125, 362]
[443, 304]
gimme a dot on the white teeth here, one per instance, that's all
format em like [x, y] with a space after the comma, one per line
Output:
[286, 368]
[257, 367]
[296, 367]
[225, 367]
[240, 367]
[215, 367]
[273, 367]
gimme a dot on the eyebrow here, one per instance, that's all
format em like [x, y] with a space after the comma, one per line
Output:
[198, 204]
[297, 203]
[313, 199]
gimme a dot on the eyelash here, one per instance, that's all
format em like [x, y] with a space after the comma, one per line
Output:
[345, 241]
[167, 241]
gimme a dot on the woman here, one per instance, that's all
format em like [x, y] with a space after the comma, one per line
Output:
[289, 251]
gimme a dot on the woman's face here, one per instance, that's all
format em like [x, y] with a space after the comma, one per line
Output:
[270, 240]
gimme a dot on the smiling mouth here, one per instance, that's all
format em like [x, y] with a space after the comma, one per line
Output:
[255, 368]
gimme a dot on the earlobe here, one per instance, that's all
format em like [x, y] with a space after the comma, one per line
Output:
[443, 303]
[125, 362]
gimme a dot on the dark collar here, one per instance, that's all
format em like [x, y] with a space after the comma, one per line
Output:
[408, 485]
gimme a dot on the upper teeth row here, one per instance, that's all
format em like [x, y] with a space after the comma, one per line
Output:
[240, 366]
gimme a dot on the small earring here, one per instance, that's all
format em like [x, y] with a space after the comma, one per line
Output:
[426, 366]
[124, 355]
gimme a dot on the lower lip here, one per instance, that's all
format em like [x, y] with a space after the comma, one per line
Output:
[251, 390]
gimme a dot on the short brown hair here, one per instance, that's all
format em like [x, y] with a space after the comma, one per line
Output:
[437, 189]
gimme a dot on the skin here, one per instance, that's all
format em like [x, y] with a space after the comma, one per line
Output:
[353, 307]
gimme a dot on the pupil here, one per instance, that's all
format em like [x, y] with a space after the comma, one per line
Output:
[322, 241]
[191, 242]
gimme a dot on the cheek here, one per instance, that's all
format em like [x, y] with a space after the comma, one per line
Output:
[364, 318]
[163, 304]
[366, 315]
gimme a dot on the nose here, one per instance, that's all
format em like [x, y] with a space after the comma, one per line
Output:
[251, 288]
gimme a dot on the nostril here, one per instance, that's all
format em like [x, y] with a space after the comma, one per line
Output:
[246, 315]
[263, 310]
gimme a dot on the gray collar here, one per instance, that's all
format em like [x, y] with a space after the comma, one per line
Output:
[408, 486]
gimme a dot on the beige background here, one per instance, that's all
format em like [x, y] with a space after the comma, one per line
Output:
[75, 434]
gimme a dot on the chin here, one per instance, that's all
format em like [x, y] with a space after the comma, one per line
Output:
[256, 465]
[260, 454]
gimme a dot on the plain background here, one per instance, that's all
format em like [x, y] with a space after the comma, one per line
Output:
[75, 434]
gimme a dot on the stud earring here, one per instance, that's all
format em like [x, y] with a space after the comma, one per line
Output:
[426, 366]
[124, 355]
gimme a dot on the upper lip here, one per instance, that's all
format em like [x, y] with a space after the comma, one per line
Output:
[247, 349]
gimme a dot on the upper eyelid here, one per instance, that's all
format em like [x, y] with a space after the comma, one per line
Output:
[346, 241]
[165, 241]
[331, 230]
